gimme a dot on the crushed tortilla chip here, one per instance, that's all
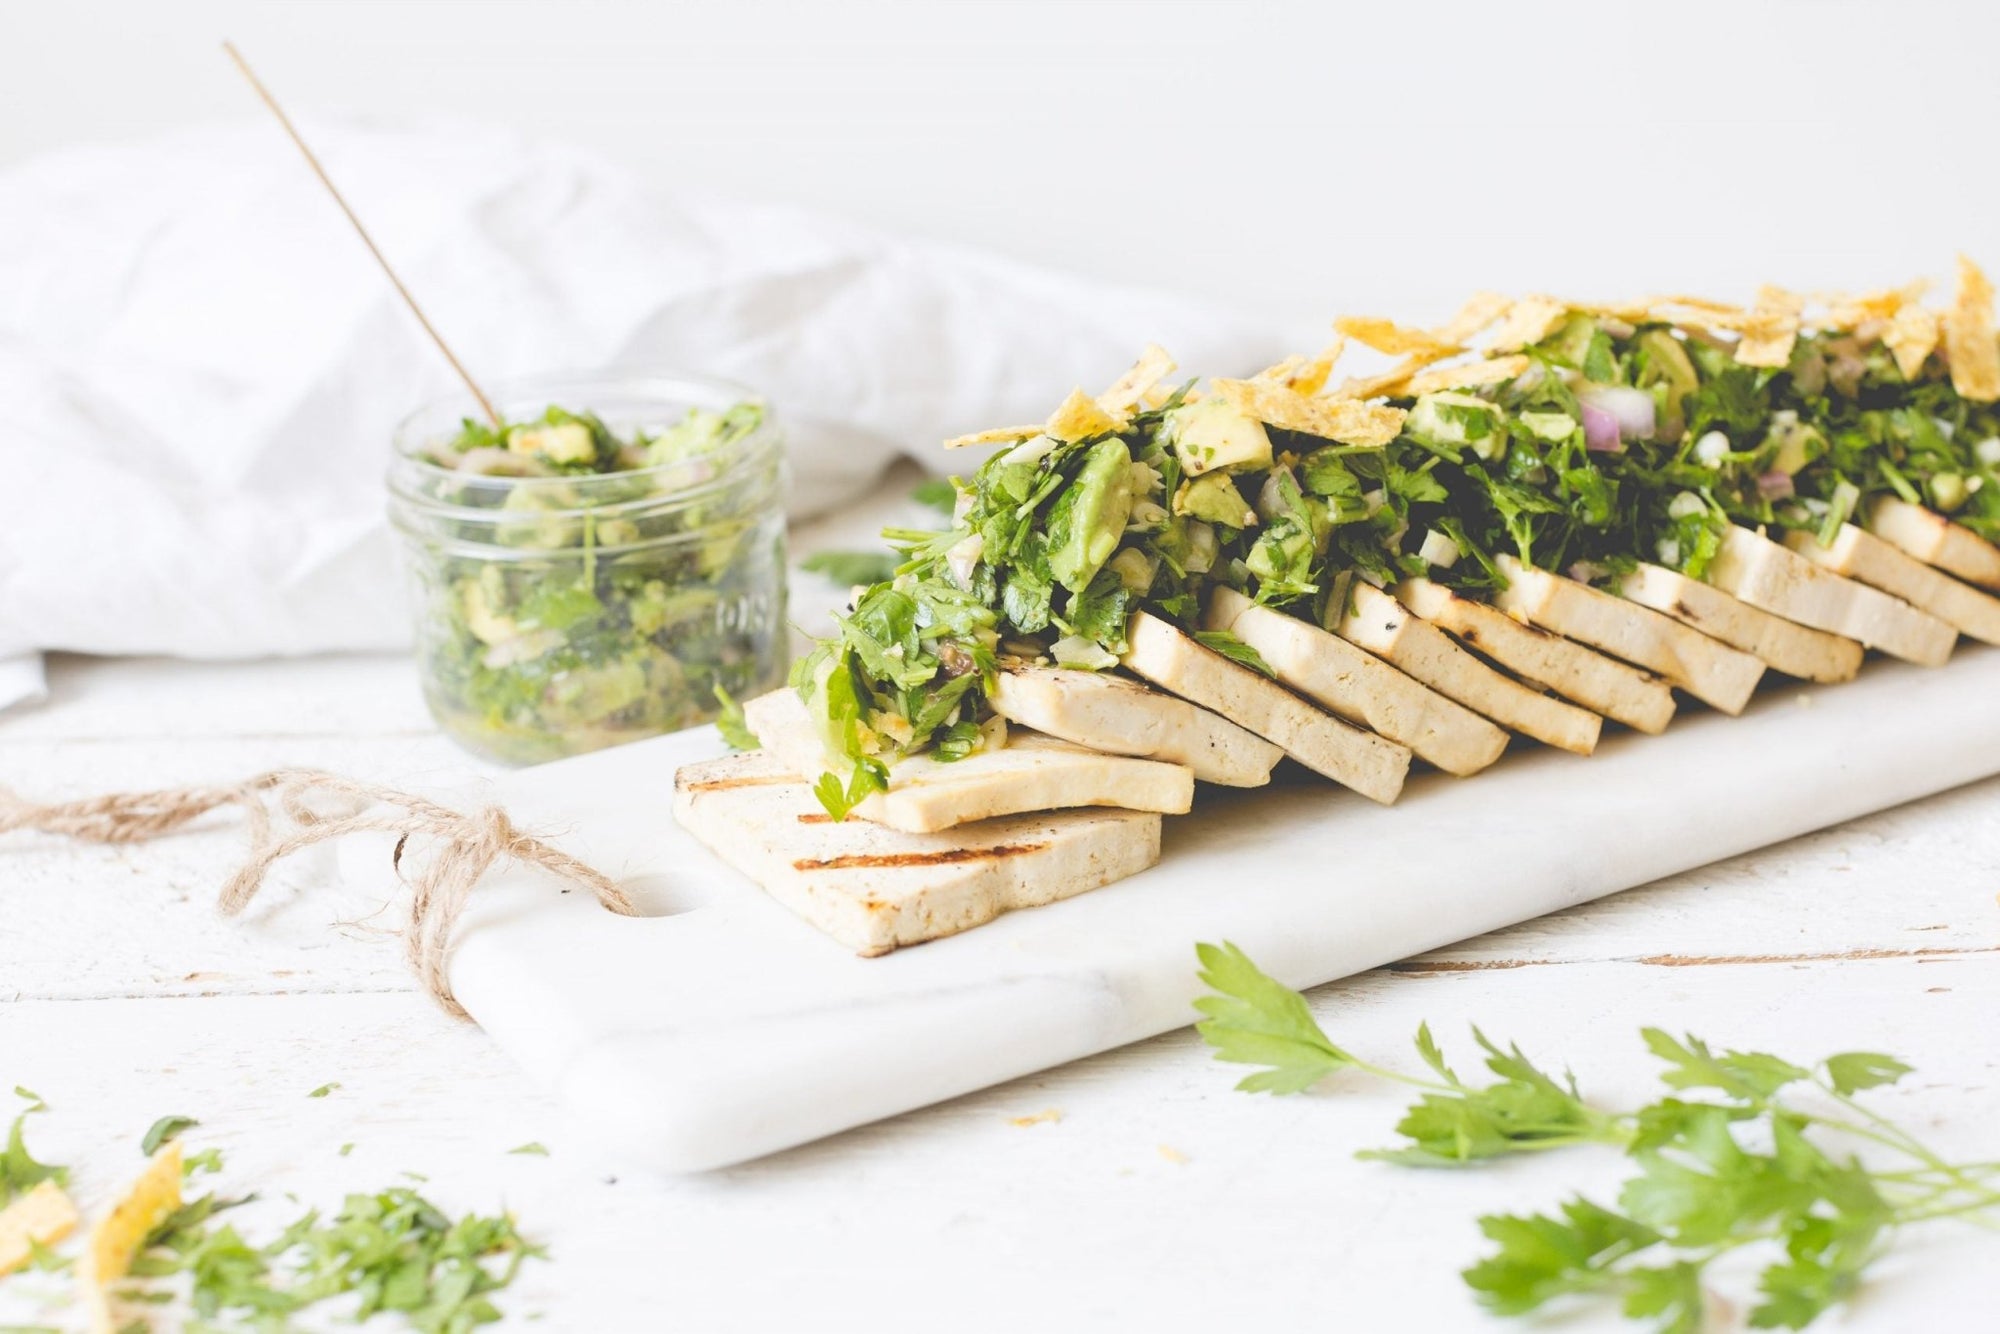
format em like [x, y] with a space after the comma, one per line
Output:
[1079, 418]
[1528, 321]
[1129, 390]
[999, 435]
[1303, 374]
[115, 1240]
[1847, 312]
[1383, 384]
[1772, 328]
[1969, 336]
[42, 1217]
[1047, 1116]
[1349, 421]
[1480, 310]
[1467, 375]
[1389, 337]
[1911, 337]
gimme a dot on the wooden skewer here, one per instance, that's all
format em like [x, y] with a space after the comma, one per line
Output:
[312, 161]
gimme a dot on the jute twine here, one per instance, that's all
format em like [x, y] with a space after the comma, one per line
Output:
[279, 809]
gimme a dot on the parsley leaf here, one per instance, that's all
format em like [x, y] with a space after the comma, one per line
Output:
[1721, 1164]
[164, 1129]
[1254, 1020]
[852, 567]
[735, 729]
[1234, 649]
[19, 1171]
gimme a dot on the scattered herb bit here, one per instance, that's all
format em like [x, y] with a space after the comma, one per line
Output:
[208, 1160]
[395, 1250]
[730, 722]
[534, 1148]
[1234, 649]
[346, 1149]
[1749, 1161]
[35, 1100]
[43, 1258]
[164, 1129]
[852, 567]
[323, 1090]
[936, 492]
[19, 1171]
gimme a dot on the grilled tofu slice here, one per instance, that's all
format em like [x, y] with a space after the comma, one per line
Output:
[1367, 763]
[1121, 716]
[1385, 627]
[1360, 687]
[1707, 669]
[1785, 646]
[1617, 690]
[874, 889]
[1030, 773]
[1766, 574]
[1866, 558]
[1936, 540]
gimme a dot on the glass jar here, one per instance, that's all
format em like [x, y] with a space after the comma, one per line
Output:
[557, 614]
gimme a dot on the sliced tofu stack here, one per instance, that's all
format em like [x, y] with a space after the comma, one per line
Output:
[1866, 558]
[1385, 627]
[1121, 716]
[1360, 687]
[874, 889]
[1030, 773]
[1936, 540]
[1367, 763]
[1785, 646]
[1766, 574]
[1606, 686]
[1711, 671]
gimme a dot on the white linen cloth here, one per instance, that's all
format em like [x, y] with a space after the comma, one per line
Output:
[202, 368]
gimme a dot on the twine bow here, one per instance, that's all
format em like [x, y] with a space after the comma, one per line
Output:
[278, 808]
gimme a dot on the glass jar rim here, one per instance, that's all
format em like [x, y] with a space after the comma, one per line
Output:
[669, 389]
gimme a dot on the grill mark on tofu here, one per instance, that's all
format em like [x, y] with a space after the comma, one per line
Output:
[726, 784]
[857, 861]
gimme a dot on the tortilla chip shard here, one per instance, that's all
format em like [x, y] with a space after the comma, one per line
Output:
[42, 1217]
[116, 1238]
[1969, 336]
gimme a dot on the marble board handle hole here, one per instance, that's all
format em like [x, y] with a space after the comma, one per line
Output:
[667, 894]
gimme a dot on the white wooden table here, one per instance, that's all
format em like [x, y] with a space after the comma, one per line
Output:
[1158, 1199]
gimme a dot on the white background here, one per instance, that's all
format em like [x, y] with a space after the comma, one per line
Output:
[1305, 157]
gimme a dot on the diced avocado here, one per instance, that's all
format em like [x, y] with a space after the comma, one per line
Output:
[566, 442]
[1088, 518]
[481, 600]
[1662, 366]
[1210, 435]
[1214, 498]
[1135, 569]
[1451, 421]
[1793, 443]
[1570, 344]
[1554, 427]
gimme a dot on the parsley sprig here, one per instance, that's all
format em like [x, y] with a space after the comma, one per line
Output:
[19, 1171]
[1740, 1153]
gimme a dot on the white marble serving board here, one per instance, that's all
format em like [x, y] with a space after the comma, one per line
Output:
[724, 1028]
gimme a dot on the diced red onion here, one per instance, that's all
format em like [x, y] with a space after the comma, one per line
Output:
[1600, 430]
[1633, 409]
[1776, 485]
